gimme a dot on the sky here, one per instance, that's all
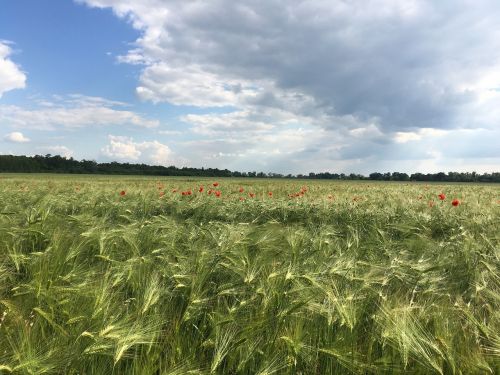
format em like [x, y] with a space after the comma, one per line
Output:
[283, 86]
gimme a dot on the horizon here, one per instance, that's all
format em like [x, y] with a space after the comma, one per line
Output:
[383, 175]
[289, 88]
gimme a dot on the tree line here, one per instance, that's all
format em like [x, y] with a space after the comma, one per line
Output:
[58, 164]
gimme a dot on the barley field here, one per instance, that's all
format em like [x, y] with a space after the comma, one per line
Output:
[149, 275]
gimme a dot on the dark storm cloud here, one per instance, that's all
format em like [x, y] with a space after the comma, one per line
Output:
[403, 64]
[406, 63]
[390, 65]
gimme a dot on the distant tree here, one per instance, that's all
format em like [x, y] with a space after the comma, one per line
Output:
[58, 164]
[397, 176]
[376, 176]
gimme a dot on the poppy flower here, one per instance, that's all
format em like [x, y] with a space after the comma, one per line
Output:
[122, 193]
[241, 190]
[242, 199]
[183, 193]
[251, 195]
[215, 184]
[455, 202]
[189, 192]
[210, 192]
[201, 189]
[270, 193]
[442, 196]
[217, 193]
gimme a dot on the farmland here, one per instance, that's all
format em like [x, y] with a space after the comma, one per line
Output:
[128, 275]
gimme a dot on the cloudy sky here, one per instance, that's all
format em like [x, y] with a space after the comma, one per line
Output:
[269, 85]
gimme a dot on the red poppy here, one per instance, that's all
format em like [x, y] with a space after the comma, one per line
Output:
[241, 190]
[122, 193]
[455, 202]
[251, 195]
[183, 193]
[201, 189]
[215, 184]
[242, 199]
[217, 193]
[270, 193]
[210, 192]
[442, 196]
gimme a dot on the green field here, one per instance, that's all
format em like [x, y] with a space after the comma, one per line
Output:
[361, 278]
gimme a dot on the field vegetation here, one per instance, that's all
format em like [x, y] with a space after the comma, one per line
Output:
[135, 275]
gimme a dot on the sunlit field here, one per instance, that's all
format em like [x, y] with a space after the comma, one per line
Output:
[134, 275]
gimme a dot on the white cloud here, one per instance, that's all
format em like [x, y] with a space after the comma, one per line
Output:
[188, 85]
[11, 76]
[229, 123]
[16, 137]
[121, 148]
[368, 131]
[90, 101]
[404, 137]
[126, 149]
[58, 150]
[74, 111]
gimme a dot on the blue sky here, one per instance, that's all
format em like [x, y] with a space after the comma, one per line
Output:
[63, 47]
[282, 86]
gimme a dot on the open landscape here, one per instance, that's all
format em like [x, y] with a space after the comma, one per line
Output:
[149, 275]
[249, 187]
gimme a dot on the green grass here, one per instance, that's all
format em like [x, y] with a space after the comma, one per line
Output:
[92, 282]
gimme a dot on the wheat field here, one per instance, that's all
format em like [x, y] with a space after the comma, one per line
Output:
[128, 275]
